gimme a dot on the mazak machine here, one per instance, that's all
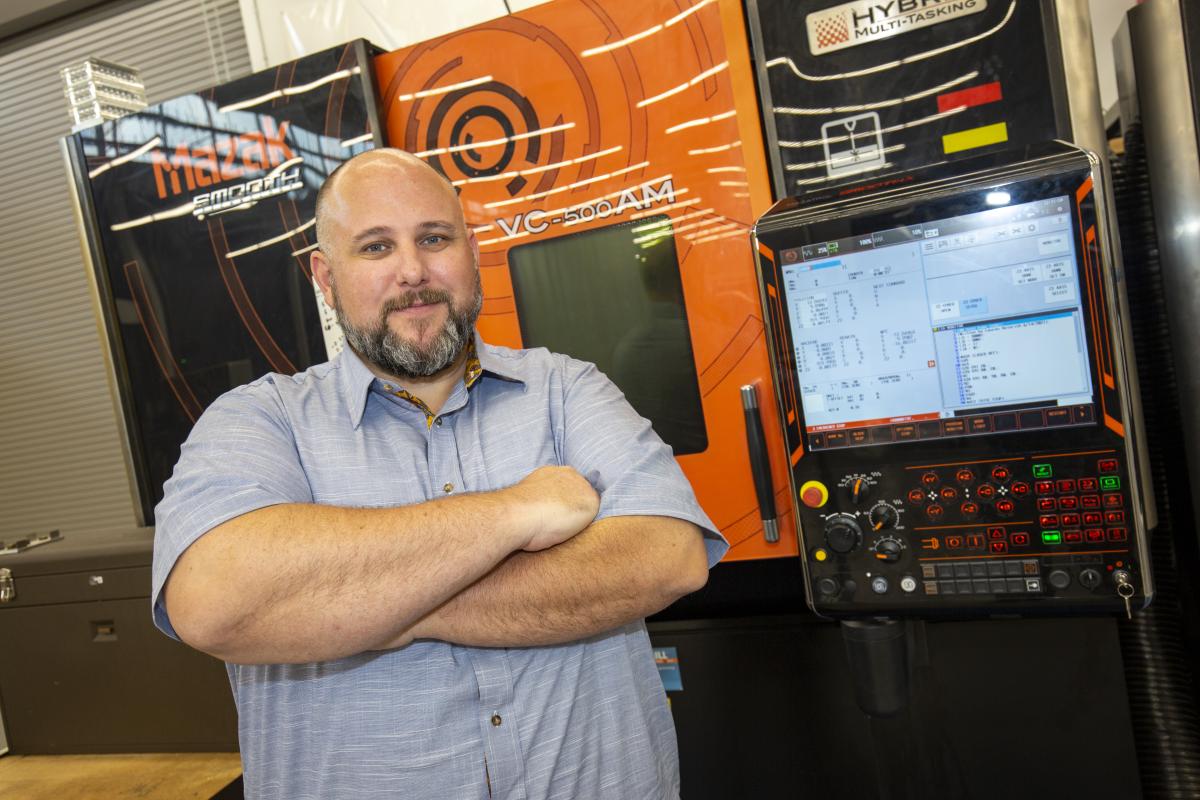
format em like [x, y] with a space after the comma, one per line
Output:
[950, 361]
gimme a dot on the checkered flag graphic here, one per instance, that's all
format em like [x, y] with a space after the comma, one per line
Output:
[832, 30]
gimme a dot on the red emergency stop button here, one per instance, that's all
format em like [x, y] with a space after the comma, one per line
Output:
[814, 494]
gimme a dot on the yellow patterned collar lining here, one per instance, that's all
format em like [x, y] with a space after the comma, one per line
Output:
[470, 376]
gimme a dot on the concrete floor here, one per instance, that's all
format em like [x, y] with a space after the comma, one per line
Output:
[149, 776]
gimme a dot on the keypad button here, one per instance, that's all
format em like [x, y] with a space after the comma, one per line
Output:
[1005, 507]
[1117, 535]
[930, 479]
[1094, 535]
[1107, 465]
[1047, 504]
[1088, 484]
[985, 491]
[1068, 503]
[916, 496]
[1114, 517]
[1020, 539]
[965, 476]
[1070, 520]
[1092, 518]
[1048, 520]
[948, 493]
[1090, 501]
[1019, 489]
[1065, 485]
[1114, 500]
[1043, 487]
[1073, 537]
[1001, 474]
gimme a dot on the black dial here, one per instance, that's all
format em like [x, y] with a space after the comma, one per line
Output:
[888, 550]
[842, 533]
[883, 516]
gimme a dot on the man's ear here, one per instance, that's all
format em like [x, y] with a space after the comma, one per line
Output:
[321, 272]
[474, 240]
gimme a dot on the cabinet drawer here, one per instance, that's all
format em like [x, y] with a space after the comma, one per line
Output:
[78, 587]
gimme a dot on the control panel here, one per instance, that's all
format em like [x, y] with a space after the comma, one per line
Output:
[951, 369]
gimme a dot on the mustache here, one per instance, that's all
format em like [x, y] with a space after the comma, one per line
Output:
[423, 296]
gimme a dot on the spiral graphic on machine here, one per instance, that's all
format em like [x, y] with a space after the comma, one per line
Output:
[484, 125]
[503, 127]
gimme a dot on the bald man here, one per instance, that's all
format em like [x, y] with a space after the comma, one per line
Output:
[427, 561]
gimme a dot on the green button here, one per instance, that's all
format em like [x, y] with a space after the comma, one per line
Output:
[1110, 483]
[1042, 471]
[1051, 537]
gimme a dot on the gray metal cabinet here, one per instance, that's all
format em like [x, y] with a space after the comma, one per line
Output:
[82, 668]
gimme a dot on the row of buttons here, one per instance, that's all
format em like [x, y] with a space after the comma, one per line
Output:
[985, 491]
[1090, 535]
[966, 475]
[1088, 518]
[1072, 502]
[1104, 466]
[1010, 568]
[985, 586]
[959, 426]
[982, 577]
[1107, 483]
[970, 509]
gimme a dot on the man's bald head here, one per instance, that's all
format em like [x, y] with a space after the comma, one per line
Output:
[328, 194]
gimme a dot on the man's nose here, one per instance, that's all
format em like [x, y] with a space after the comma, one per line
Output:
[409, 268]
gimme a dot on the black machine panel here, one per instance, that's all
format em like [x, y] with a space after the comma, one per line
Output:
[947, 356]
[916, 83]
[198, 214]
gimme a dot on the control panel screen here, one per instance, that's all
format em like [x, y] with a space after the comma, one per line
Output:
[968, 325]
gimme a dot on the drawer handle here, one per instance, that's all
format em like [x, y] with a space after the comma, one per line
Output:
[8, 590]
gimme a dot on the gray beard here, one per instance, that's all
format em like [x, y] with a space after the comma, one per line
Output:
[379, 345]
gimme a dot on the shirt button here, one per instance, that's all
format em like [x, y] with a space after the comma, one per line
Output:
[448, 488]
[496, 720]
[438, 421]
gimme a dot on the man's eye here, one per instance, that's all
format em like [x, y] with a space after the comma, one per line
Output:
[434, 239]
[375, 247]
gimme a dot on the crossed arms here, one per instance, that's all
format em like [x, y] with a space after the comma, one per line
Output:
[523, 566]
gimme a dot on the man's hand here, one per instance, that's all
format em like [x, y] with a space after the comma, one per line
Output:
[559, 502]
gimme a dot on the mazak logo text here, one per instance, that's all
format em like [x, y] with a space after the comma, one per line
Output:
[227, 158]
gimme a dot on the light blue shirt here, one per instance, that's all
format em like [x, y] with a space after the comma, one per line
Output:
[583, 720]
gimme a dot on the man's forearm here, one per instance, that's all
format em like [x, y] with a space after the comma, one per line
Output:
[617, 570]
[299, 583]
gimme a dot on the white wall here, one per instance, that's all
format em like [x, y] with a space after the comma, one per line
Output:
[282, 30]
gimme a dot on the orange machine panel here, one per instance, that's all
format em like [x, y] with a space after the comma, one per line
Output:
[578, 121]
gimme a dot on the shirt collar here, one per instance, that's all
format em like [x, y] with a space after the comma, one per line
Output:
[357, 379]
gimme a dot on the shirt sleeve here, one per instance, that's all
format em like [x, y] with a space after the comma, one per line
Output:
[617, 450]
[240, 456]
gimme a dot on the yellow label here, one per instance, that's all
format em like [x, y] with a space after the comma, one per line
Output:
[975, 137]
